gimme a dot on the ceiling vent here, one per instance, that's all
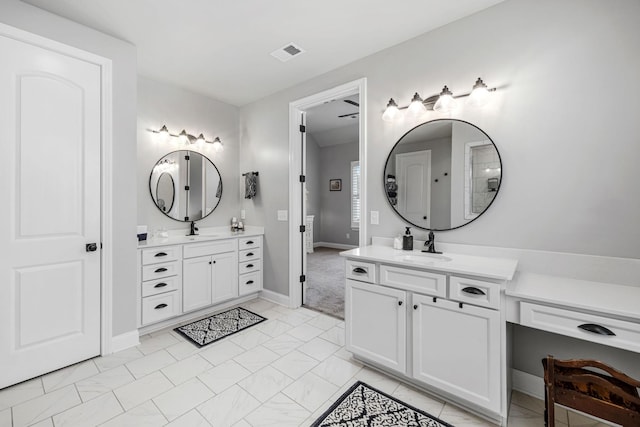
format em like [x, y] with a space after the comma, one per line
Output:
[287, 52]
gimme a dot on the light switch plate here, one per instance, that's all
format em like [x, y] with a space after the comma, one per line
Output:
[282, 215]
[243, 214]
[375, 218]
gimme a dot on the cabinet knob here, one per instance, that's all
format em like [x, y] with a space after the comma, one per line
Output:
[415, 306]
[210, 262]
[399, 302]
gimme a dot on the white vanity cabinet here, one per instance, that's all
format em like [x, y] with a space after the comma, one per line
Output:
[161, 283]
[209, 273]
[437, 323]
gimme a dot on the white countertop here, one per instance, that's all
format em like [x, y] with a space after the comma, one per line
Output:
[488, 267]
[178, 237]
[608, 298]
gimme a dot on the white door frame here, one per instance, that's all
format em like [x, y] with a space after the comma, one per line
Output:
[296, 108]
[106, 165]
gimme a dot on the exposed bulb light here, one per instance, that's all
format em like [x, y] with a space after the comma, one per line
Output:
[164, 132]
[479, 96]
[184, 137]
[417, 107]
[200, 139]
[445, 103]
[217, 144]
[391, 112]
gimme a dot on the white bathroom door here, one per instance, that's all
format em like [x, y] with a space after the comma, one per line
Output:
[50, 122]
[413, 176]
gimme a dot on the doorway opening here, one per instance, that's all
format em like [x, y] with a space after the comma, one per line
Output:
[314, 183]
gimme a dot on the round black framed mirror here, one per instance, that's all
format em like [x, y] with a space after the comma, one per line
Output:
[185, 185]
[442, 174]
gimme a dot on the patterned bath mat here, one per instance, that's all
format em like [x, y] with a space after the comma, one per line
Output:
[213, 328]
[363, 405]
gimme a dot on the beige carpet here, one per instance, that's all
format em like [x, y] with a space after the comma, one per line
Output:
[325, 281]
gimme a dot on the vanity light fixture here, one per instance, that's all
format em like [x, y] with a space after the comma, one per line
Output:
[187, 138]
[445, 102]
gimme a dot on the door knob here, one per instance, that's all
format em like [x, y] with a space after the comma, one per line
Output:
[91, 247]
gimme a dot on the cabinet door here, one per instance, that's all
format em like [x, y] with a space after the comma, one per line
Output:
[376, 323]
[457, 349]
[196, 285]
[225, 276]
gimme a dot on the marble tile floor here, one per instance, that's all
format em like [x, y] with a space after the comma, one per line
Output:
[283, 372]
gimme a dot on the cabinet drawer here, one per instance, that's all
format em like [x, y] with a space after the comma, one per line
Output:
[209, 248]
[362, 271]
[420, 281]
[161, 254]
[158, 271]
[476, 292]
[249, 254]
[249, 242]
[160, 286]
[589, 327]
[160, 307]
[249, 283]
[249, 266]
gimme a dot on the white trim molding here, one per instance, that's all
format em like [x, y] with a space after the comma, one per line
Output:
[527, 383]
[125, 341]
[333, 245]
[275, 297]
[296, 112]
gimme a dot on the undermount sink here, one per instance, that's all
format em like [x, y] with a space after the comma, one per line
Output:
[425, 257]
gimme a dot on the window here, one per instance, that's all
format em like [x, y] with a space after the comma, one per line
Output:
[355, 195]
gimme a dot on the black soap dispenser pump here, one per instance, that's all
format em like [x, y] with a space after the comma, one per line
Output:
[407, 240]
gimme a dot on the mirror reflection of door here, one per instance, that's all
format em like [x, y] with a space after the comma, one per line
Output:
[413, 175]
[165, 192]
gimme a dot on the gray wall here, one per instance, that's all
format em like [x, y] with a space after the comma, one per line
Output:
[123, 57]
[177, 108]
[335, 163]
[313, 179]
[553, 109]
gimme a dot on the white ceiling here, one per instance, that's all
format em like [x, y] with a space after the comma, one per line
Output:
[326, 126]
[222, 48]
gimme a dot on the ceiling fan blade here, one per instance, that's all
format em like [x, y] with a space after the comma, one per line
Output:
[348, 101]
[349, 115]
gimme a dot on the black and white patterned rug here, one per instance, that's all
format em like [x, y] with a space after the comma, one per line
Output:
[213, 328]
[364, 406]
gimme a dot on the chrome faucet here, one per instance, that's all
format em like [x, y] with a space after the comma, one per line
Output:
[430, 245]
[193, 229]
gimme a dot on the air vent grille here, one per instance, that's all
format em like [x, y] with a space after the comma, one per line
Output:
[287, 52]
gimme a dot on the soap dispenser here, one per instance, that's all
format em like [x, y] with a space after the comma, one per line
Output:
[407, 240]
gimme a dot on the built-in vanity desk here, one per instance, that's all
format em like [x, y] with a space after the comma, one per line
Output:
[437, 321]
[183, 277]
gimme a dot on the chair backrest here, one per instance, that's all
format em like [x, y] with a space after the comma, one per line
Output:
[610, 395]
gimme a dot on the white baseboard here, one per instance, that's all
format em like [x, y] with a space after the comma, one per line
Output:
[333, 245]
[124, 341]
[527, 384]
[275, 297]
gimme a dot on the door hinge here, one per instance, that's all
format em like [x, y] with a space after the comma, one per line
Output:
[186, 187]
[100, 245]
[303, 278]
[303, 228]
[303, 178]
[186, 157]
[186, 218]
[303, 128]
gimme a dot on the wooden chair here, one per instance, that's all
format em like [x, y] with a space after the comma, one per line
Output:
[611, 396]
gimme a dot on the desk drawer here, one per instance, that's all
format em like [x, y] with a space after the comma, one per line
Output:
[160, 307]
[249, 254]
[249, 266]
[476, 292]
[193, 250]
[158, 271]
[423, 282]
[161, 254]
[361, 271]
[249, 242]
[250, 283]
[589, 327]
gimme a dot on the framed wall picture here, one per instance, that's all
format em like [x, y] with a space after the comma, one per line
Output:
[335, 185]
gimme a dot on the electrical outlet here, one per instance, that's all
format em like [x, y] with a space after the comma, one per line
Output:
[282, 215]
[348, 236]
[375, 217]
[243, 214]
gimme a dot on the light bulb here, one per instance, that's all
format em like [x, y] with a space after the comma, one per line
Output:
[217, 144]
[416, 108]
[479, 96]
[200, 139]
[183, 137]
[391, 112]
[445, 103]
